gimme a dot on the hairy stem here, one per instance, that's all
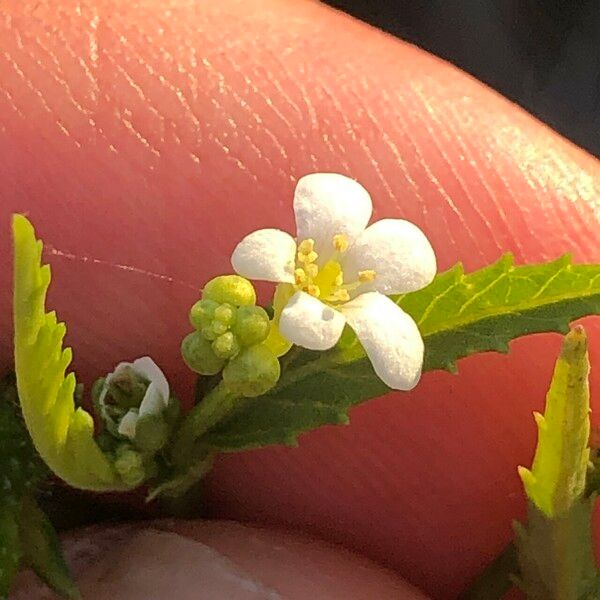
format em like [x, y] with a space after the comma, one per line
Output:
[213, 408]
[220, 402]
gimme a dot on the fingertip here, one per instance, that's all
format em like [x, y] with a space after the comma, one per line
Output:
[204, 560]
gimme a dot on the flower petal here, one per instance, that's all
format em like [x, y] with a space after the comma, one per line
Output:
[266, 254]
[307, 322]
[327, 204]
[128, 423]
[146, 367]
[390, 338]
[153, 402]
[399, 253]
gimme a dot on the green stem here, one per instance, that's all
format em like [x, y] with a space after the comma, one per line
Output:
[495, 580]
[196, 467]
[213, 408]
[220, 402]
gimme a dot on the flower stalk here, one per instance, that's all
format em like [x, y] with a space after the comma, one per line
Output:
[217, 405]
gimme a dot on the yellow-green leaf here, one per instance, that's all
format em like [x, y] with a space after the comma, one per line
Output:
[62, 434]
[558, 475]
[555, 547]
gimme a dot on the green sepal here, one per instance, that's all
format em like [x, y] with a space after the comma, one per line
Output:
[62, 434]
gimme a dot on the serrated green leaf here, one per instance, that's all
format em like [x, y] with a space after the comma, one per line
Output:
[557, 478]
[42, 551]
[458, 315]
[62, 434]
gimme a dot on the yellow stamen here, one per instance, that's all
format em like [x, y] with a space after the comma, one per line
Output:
[366, 276]
[300, 276]
[307, 258]
[313, 290]
[339, 280]
[340, 242]
[306, 246]
[340, 296]
[311, 270]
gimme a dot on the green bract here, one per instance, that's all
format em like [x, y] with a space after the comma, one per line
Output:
[62, 434]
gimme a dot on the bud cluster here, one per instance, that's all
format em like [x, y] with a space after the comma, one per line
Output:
[228, 336]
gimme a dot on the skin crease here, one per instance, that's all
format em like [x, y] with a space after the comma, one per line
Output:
[145, 139]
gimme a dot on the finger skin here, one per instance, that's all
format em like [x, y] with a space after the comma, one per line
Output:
[145, 140]
[204, 560]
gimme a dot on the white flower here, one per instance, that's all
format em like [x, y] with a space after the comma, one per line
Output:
[341, 271]
[155, 400]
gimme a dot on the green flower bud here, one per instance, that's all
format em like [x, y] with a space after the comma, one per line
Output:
[226, 345]
[151, 433]
[127, 388]
[110, 413]
[230, 289]
[208, 333]
[199, 356]
[253, 372]
[225, 313]
[251, 325]
[218, 327]
[202, 313]
[129, 464]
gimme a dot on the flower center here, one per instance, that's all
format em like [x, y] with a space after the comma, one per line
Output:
[326, 283]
